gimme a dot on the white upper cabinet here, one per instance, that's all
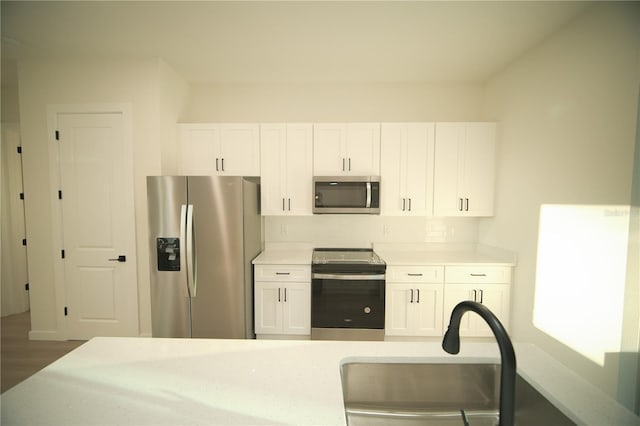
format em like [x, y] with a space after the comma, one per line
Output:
[286, 169]
[464, 169]
[220, 149]
[346, 149]
[406, 169]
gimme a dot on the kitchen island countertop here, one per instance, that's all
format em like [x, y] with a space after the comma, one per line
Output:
[147, 381]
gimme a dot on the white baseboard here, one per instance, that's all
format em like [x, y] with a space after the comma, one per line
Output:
[44, 335]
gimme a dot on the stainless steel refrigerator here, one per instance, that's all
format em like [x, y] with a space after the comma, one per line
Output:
[203, 231]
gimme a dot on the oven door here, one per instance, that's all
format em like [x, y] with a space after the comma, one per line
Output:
[347, 300]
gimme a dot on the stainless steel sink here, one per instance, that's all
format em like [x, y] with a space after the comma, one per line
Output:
[437, 394]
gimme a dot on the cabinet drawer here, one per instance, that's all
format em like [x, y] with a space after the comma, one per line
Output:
[415, 274]
[477, 274]
[300, 273]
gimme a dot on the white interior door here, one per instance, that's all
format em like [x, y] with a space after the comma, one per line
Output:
[96, 177]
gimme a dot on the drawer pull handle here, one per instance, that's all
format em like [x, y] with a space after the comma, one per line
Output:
[414, 275]
[478, 275]
[283, 273]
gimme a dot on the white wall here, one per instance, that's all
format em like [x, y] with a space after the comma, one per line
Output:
[362, 230]
[144, 84]
[568, 120]
[310, 102]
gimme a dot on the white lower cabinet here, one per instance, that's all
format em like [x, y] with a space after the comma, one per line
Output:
[282, 300]
[420, 299]
[484, 284]
[414, 300]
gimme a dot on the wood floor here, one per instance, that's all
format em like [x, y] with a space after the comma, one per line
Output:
[22, 357]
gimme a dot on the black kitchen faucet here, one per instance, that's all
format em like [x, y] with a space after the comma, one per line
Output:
[451, 344]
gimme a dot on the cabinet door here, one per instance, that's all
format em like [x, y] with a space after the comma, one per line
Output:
[362, 151]
[419, 169]
[448, 146]
[328, 149]
[239, 149]
[428, 300]
[406, 168]
[392, 169]
[464, 169]
[478, 168]
[398, 315]
[268, 309]
[298, 170]
[496, 298]
[199, 148]
[296, 305]
[273, 159]
[493, 296]
[454, 294]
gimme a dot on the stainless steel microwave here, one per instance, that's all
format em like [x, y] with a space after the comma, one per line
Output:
[346, 194]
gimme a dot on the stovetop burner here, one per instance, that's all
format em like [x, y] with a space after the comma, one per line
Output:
[348, 255]
[346, 259]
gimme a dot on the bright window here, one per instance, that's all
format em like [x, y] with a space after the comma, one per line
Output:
[580, 276]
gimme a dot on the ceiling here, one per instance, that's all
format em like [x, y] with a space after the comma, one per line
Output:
[290, 41]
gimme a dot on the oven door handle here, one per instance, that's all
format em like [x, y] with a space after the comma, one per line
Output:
[348, 277]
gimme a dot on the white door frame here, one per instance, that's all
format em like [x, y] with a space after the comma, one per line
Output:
[125, 109]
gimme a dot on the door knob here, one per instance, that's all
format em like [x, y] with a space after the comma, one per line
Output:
[121, 258]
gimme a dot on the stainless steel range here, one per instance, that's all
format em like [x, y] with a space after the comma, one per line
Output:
[347, 298]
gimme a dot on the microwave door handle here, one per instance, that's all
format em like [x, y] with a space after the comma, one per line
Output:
[368, 205]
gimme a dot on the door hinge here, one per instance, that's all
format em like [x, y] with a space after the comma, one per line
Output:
[26, 287]
[62, 253]
[66, 311]
[19, 149]
[24, 241]
[22, 195]
[57, 135]
[59, 194]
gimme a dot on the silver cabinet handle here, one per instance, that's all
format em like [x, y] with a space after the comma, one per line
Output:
[409, 204]
[283, 204]
[461, 204]
[289, 204]
[466, 200]
[404, 203]
[343, 168]
[217, 169]
[349, 164]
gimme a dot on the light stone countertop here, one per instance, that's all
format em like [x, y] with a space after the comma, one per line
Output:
[145, 381]
[299, 254]
[396, 254]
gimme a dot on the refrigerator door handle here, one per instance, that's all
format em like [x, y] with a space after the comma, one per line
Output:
[183, 249]
[192, 257]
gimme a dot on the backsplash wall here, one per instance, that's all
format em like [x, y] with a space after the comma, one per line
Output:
[363, 230]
